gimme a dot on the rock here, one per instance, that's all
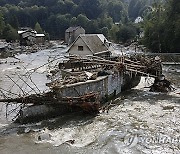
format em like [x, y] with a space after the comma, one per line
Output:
[70, 141]
[88, 74]
[94, 76]
[27, 130]
[168, 107]
[161, 85]
[45, 135]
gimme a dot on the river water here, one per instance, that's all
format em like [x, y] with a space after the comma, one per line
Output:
[137, 122]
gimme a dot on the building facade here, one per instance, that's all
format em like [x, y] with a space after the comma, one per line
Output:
[90, 44]
[72, 33]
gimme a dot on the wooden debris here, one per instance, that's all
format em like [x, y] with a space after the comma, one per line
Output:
[88, 102]
[161, 85]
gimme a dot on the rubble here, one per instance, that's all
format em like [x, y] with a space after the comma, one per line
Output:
[15, 48]
[161, 84]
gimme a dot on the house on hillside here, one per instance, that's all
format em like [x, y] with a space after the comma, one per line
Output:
[30, 37]
[91, 44]
[138, 20]
[72, 33]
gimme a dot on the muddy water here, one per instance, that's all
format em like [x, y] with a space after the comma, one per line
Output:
[139, 122]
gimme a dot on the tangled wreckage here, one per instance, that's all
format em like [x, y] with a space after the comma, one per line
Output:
[85, 84]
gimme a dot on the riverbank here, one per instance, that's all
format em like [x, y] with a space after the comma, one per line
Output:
[12, 49]
[167, 57]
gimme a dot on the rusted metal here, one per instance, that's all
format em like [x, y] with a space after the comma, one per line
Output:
[88, 102]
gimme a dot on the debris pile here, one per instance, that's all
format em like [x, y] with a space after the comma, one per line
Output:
[134, 63]
[161, 84]
[73, 78]
[89, 102]
[13, 49]
[152, 66]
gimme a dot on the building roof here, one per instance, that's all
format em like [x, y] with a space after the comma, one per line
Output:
[95, 42]
[24, 31]
[27, 33]
[71, 29]
[40, 35]
[20, 31]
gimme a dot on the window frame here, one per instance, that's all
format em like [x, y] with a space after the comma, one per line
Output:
[80, 48]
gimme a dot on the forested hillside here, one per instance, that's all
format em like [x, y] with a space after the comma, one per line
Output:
[54, 16]
[113, 18]
[162, 27]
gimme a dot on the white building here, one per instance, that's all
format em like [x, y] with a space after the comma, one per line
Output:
[90, 44]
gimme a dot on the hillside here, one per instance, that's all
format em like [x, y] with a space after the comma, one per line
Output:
[113, 18]
[54, 16]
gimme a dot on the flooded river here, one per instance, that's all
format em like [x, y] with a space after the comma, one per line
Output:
[139, 122]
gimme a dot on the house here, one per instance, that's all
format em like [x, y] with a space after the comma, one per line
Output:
[27, 37]
[91, 44]
[138, 20]
[30, 37]
[72, 33]
[40, 38]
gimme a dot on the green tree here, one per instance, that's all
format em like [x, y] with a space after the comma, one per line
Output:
[115, 10]
[126, 33]
[14, 22]
[131, 8]
[82, 20]
[91, 8]
[104, 31]
[105, 21]
[62, 23]
[172, 22]
[113, 31]
[73, 21]
[2, 25]
[135, 8]
[155, 29]
[10, 34]
[38, 28]
[92, 27]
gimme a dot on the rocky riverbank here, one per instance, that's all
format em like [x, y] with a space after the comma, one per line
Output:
[12, 49]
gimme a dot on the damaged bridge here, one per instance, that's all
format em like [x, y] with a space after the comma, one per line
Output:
[85, 83]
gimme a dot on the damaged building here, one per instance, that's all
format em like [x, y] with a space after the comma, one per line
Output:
[30, 37]
[72, 33]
